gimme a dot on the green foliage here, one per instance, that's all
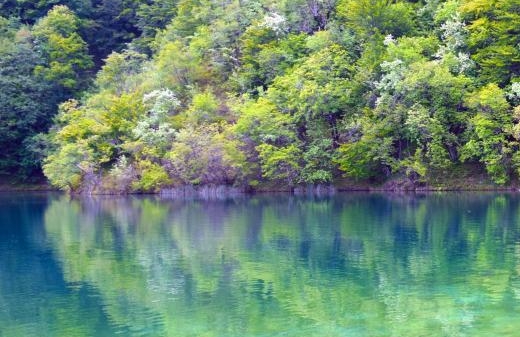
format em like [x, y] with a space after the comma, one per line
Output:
[104, 127]
[203, 109]
[369, 18]
[260, 121]
[28, 105]
[368, 157]
[236, 92]
[494, 37]
[152, 16]
[150, 177]
[280, 163]
[179, 69]
[265, 55]
[489, 131]
[206, 154]
[65, 52]
[67, 167]
[316, 89]
[318, 162]
[119, 74]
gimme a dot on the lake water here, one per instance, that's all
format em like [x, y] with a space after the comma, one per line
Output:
[349, 265]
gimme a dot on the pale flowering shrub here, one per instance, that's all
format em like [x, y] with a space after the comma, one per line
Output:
[154, 129]
[275, 22]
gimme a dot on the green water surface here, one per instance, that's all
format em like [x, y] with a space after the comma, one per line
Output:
[349, 265]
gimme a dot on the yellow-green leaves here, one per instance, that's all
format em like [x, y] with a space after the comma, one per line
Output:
[369, 18]
[67, 166]
[494, 37]
[119, 74]
[280, 163]
[65, 51]
[206, 154]
[489, 130]
[151, 177]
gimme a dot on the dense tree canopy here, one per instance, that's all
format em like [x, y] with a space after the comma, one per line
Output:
[168, 93]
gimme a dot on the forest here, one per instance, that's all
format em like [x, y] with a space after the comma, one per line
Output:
[129, 96]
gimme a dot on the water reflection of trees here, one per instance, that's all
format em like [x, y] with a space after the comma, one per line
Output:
[34, 299]
[360, 265]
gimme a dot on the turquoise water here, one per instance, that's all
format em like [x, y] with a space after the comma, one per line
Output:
[349, 265]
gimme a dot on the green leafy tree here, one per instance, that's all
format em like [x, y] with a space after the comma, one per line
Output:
[28, 105]
[150, 177]
[65, 52]
[280, 163]
[245, 92]
[67, 167]
[371, 18]
[489, 132]
[152, 16]
[370, 156]
[119, 73]
[265, 56]
[206, 154]
[494, 37]
[30, 11]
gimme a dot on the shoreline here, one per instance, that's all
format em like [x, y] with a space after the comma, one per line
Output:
[462, 179]
[218, 190]
[27, 188]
